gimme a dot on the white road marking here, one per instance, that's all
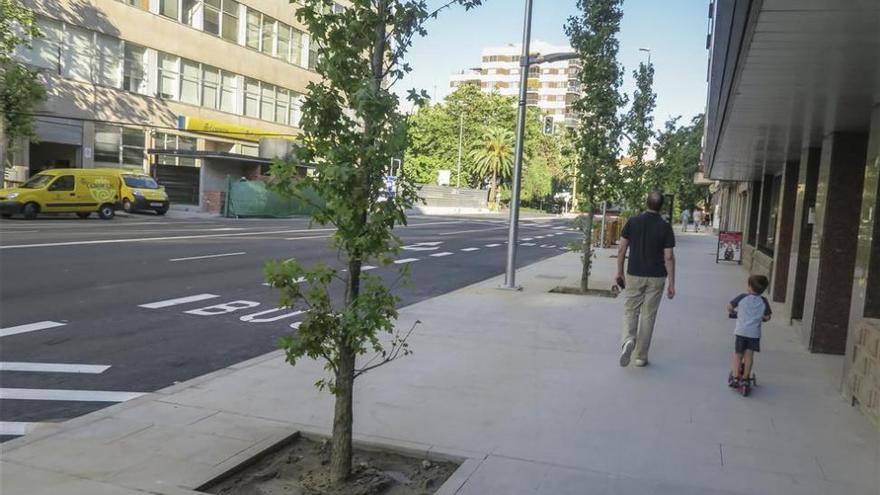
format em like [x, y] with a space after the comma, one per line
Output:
[423, 246]
[19, 231]
[207, 256]
[180, 300]
[467, 250]
[552, 246]
[93, 369]
[492, 245]
[168, 238]
[544, 245]
[405, 260]
[30, 327]
[527, 238]
[254, 317]
[440, 255]
[223, 229]
[70, 395]
[17, 428]
[527, 244]
[470, 231]
[307, 237]
[560, 227]
[297, 281]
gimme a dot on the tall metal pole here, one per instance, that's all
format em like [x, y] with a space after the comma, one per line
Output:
[510, 272]
[460, 136]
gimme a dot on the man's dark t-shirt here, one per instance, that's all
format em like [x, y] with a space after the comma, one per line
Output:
[648, 236]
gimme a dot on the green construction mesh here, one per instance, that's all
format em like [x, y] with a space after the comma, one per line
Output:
[253, 199]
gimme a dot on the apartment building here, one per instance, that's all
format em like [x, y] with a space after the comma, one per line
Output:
[186, 90]
[552, 87]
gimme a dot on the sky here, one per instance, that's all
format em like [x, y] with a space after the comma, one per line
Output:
[674, 30]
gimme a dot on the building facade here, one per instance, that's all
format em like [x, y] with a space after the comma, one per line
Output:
[552, 87]
[183, 89]
[793, 134]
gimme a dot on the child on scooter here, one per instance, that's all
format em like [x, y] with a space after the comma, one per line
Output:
[750, 309]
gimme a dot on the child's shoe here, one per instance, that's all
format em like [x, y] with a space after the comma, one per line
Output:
[732, 381]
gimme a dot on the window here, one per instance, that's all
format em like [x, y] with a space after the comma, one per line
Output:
[45, 50]
[193, 13]
[211, 22]
[168, 74]
[141, 4]
[108, 61]
[245, 149]
[283, 48]
[252, 98]
[78, 53]
[296, 46]
[107, 144]
[252, 32]
[210, 87]
[268, 35]
[135, 69]
[267, 103]
[282, 105]
[338, 8]
[230, 20]
[169, 8]
[63, 183]
[228, 92]
[189, 82]
[313, 54]
[133, 141]
[295, 108]
[164, 141]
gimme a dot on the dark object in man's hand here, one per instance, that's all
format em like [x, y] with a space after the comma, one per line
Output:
[621, 282]
[732, 315]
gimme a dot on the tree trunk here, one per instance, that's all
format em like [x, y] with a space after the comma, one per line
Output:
[493, 186]
[587, 250]
[343, 416]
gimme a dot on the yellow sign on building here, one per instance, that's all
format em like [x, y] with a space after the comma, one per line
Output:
[206, 126]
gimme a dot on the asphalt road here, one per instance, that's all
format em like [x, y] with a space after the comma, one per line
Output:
[92, 308]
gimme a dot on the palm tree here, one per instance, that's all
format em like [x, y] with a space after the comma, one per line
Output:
[493, 156]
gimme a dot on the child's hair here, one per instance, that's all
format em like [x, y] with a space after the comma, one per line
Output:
[758, 283]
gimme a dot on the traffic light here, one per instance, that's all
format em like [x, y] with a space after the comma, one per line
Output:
[548, 125]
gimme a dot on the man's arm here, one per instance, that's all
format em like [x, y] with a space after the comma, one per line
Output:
[669, 259]
[621, 255]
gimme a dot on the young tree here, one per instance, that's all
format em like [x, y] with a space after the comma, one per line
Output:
[352, 129]
[640, 177]
[492, 156]
[593, 35]
[678, 158]
[20, 88]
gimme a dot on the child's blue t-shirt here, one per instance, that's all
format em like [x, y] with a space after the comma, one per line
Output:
[750, 312]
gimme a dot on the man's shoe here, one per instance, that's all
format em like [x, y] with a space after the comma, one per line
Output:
[641, 362]
[625, 354]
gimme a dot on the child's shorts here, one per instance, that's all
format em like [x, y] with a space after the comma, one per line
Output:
[747, 343]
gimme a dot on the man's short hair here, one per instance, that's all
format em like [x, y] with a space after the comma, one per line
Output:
[759, 283]
[655, 201]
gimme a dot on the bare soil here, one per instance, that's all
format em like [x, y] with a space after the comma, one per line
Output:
[576, 291]
[302, 468]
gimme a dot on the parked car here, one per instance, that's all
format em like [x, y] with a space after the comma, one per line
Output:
[63, 190]
[138, 191]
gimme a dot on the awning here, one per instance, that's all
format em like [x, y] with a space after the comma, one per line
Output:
[215, 155]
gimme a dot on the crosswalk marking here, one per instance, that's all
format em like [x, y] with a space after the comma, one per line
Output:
[528, 244]
[16, 428]
[527, 239]
[93, 369]
[405, 260]
[180, 300]
[492, 245]
[467, 250]
[30, 327]
[68, 395]
[440, 255]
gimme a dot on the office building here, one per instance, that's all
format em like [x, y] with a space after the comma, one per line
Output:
[184, 89]
[793, 134]
[552, 87]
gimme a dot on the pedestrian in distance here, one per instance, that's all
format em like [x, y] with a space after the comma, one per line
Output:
[685, 219]
[698, 219]
[651, 244]
[750, 309]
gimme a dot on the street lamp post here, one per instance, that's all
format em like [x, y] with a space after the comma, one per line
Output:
[460, 136]
[525, 62]
[510, 271]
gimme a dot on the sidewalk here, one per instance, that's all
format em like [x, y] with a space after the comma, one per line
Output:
[525, 385]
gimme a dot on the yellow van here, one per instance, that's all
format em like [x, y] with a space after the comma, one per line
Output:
[139, 191]
[63, 190]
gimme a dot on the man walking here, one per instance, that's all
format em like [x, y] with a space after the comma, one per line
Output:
[698, 219]
[685, 219]
[651, 262]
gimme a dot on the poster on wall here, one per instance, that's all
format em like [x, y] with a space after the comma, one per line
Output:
[729, 247]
